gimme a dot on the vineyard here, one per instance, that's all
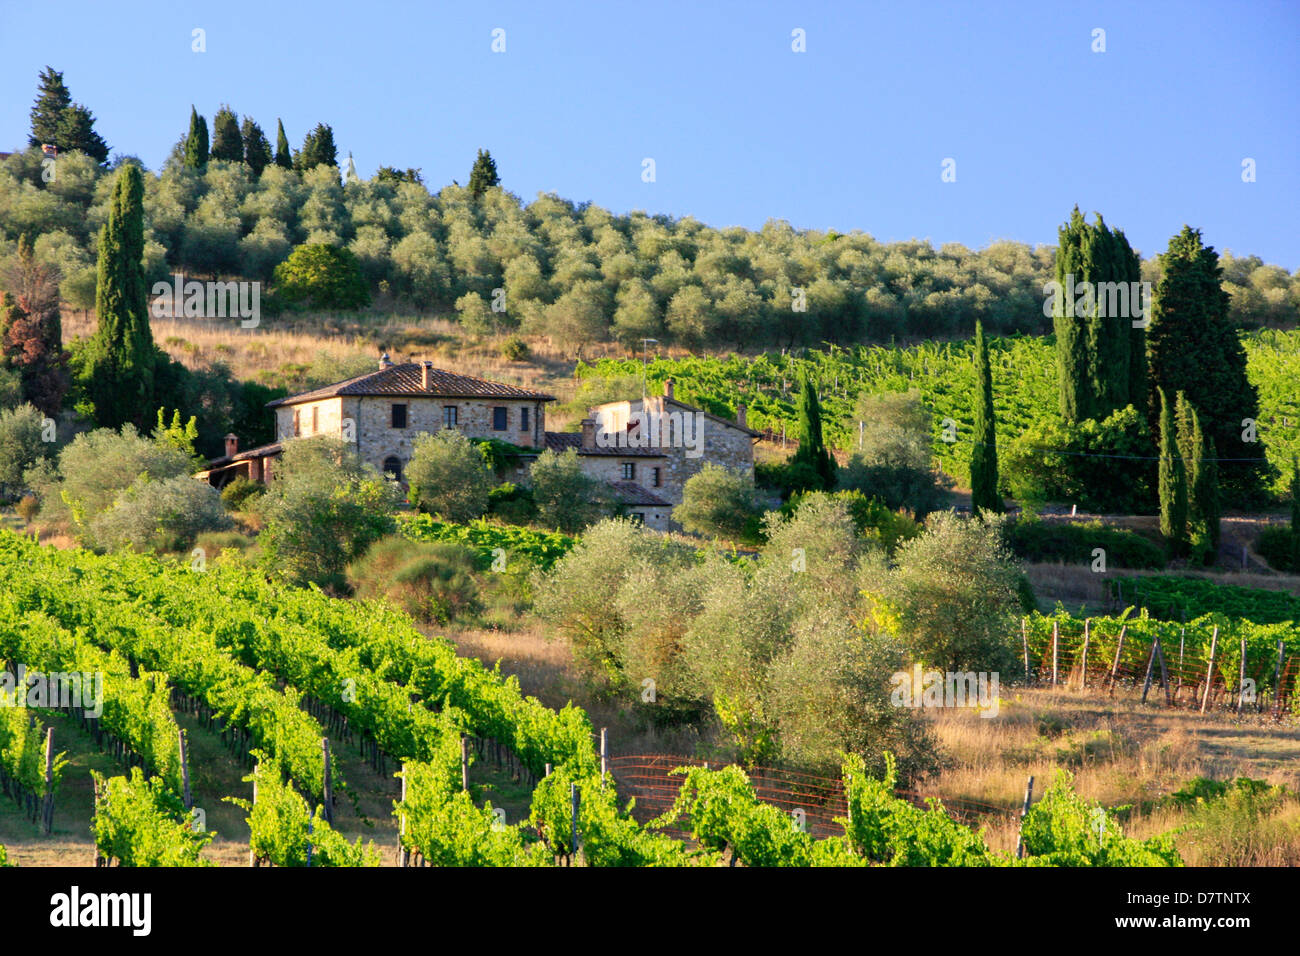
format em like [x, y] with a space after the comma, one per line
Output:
[490, 541]
[285, 674]
[1024, 387]
[1211, 661]
[1179, 598]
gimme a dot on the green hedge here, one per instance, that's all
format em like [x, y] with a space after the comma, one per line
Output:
[1036, 540]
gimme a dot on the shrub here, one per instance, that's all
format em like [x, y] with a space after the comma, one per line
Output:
[898, 486]
[871, 516]
[215, 542]
[162, 515]
[323, 510]
[322, 276]
[20, 446]
[1101, 466]
[1033, 539]
[952, 596]
[28, 506]
[719, 504]
[448, 476]
[431, 581]
[1280, 547]
[96, 468]
[567, 498]
[512, 503]
[238, 493]
[515, 349]
[787, 478]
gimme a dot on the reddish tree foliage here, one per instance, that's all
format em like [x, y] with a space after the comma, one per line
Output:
[31, 330]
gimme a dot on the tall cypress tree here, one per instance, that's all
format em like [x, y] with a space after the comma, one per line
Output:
[483, 175]
[1173, 482]
[48, 109]
[984, 456]
[1094, 346]
[1206, 494]
[318, 149]
[1193, 348]
[227, 143]
[196, 143]
[282, 157]
[257, 151]
[119, 362]
[812, 449]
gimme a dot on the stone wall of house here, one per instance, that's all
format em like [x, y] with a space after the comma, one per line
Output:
[721, 443]
[610, 468]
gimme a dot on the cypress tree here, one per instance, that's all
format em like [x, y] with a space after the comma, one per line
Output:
[118, 368]
[282, 157]
[984, 456]
[1206, 493]
[196, 143]
[1173, 482]
[227, 143]
[317, 150]
[1193, 348]
[812, 450]
[1094, 350]
[48, 109]
[76, 131]
[483, 175]
[257, 151]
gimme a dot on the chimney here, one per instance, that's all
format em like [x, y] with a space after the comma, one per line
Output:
[588, 433]
[426, 368]
[232, 444]
[740, 415]
[668, 388]
[385, 362]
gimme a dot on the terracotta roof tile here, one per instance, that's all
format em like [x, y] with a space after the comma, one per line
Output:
[630, 493]
[562, 441]
[406, 379]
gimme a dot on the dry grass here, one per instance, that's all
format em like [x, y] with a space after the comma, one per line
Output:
[1121, 753]
[547, 670]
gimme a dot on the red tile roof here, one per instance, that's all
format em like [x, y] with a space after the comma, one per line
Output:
[630, 493]
[562, 441]
[406, 379]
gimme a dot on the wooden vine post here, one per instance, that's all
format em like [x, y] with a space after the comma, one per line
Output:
[1024, 642]
[1277, 678]
[1182, 641]
[604, 754]
[47, 810]
[252, 853]
[327, 795]
[464, 762]
[403, 854]
[1241, 676]
[1119, 650]
[575, 796]
[1024, 810]
[1146, 681]
[1056, 640]
[1087, 637]
[1209, 670]
[1164, 671]
[185, 770]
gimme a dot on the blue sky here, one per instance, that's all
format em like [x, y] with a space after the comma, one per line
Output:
[850, 134]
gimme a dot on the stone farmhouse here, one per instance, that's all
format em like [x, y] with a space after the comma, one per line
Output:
[645, 449]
